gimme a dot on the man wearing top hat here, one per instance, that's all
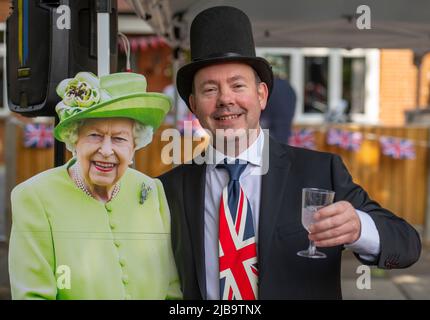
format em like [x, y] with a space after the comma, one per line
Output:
[236, 220]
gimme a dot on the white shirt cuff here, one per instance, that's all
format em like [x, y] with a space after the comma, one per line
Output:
[368, 244]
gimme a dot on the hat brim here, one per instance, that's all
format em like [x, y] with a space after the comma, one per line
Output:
[148, 109]
[185, 75]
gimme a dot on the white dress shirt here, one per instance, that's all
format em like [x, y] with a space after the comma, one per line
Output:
[216, 179]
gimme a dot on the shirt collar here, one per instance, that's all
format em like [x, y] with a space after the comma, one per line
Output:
[253, 154]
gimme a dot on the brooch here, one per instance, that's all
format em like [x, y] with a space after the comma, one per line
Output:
[144, 193]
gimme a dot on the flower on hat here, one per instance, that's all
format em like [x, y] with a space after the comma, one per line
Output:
[121, 94]
[78, 94]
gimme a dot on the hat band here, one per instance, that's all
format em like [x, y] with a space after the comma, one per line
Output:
[219, 55]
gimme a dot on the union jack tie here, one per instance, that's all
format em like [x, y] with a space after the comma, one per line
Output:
[238, 270]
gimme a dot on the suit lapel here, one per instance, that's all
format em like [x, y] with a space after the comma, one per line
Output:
[194, 200]
[272, 198]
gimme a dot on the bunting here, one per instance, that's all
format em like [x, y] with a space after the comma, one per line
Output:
[302, 138]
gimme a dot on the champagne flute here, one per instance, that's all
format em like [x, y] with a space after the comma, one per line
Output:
[313, 199]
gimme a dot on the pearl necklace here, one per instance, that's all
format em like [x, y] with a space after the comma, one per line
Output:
[81, 185]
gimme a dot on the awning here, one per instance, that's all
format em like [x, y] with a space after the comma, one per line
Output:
[308, 23]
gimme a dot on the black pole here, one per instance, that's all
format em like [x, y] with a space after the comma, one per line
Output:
[59, 152]
[104, 6]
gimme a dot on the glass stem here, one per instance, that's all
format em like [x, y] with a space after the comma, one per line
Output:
[312, 248]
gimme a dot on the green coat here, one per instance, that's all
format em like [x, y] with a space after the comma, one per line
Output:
[67, 245]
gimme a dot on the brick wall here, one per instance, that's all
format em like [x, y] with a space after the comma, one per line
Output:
[156, 65]
[398, 81]
[4, 9]
[425, 82]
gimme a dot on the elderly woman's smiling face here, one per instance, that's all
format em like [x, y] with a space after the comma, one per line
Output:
[104, 149]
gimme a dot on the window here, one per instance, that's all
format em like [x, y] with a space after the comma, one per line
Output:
[280, 65]
[316, 85]
[328, 80]
[353, 84]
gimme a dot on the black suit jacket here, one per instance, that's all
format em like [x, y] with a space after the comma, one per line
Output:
[283, 274]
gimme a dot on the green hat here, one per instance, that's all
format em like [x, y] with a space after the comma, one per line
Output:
[117, 95]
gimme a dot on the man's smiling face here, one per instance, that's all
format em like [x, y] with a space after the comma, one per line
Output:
[228, 96]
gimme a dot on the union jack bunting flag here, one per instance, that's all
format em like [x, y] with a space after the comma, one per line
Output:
[38, 135]
[349, 140]
[303, 138]
[397, 148]
[237, 249]
[334, 137]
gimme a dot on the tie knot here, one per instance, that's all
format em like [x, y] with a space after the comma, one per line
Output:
[234, 169]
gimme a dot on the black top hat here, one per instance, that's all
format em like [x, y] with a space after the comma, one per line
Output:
[221, 34]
